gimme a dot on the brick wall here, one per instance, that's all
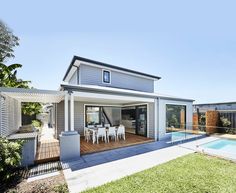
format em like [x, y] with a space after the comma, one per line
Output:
[182, 119]
[212, 121]
[195, 121]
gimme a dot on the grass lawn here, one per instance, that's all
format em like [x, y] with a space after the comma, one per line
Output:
[191, 173]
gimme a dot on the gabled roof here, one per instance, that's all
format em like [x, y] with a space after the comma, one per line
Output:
[107, 66]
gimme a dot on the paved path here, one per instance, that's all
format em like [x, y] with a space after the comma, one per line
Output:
[97, 169]
[47, 133]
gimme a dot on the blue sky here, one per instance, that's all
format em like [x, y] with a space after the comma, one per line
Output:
[190, 44]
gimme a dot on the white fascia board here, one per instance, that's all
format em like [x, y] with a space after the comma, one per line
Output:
[71, 73]
[113, 97]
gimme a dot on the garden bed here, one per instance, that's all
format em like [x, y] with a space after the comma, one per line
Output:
[55, 184]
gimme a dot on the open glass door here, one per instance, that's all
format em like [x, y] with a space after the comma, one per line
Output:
[141, 120]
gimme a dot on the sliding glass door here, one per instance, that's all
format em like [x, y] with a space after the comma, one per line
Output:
[141, 120]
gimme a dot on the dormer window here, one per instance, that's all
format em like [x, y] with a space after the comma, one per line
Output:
[106, 76]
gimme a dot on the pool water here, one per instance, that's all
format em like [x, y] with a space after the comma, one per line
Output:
[225, 145]
[176, 136]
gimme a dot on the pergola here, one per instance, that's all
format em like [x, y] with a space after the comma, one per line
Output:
[38, 95]
[33, 95]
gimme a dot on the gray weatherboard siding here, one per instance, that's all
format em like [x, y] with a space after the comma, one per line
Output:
[90, 75]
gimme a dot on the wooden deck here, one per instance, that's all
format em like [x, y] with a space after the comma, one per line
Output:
[48, 150]
[131, 139]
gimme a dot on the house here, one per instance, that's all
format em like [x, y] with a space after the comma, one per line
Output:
[96, 93]
[223, 106]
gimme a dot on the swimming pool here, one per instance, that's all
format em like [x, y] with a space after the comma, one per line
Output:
[223, 145]
[178, 136]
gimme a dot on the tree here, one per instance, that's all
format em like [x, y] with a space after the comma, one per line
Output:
[31, 108]
[8, 73]
[7, 42]
[8, 76]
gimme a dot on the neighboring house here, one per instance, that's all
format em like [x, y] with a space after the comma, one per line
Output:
[93, 92]
[224, 106]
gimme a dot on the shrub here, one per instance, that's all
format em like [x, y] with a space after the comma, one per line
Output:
[61, 188]
[202, 120]
[226, 124]
[36, 123]
[10, 157]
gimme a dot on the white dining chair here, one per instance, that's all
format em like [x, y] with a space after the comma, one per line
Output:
[87, 134]
[101, 132]
[121, 132]
[107, 125]
[111, 133]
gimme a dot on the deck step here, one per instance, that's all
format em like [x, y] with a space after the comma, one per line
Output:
[46, 160]
[48, 151]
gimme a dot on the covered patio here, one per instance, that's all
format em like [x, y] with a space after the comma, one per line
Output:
[106, 110]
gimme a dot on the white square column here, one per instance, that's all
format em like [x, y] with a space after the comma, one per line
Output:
[69, 140]
[156, 118]
[66, 111]
[72, 115]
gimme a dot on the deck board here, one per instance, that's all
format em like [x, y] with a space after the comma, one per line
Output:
[131, 139]
[48, 150]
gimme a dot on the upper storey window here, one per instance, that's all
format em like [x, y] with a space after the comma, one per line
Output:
[106, 76]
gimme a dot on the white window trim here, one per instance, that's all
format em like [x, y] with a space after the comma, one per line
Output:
[103, 77]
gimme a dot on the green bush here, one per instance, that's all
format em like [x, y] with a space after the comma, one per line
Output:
[225, 122]
[36, 123]
[202, 120]
[61, 188]
[226, 126]
[10, 157]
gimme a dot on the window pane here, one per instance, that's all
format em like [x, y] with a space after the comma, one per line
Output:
[92, 115]
[175, 117]
[106, 76]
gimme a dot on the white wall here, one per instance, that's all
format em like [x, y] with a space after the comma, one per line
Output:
[74, 78]
[162, 114]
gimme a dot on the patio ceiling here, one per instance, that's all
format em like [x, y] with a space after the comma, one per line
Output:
[116, 99]
[33, 95]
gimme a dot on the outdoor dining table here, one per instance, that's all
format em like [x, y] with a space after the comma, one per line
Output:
[94, 131]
